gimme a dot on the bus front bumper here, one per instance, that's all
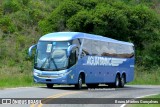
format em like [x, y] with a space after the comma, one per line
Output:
[53, 78]
[45, 80]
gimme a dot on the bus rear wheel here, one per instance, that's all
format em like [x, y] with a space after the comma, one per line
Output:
[117, 81]
[79, 84]
[49, 85]
[122, 82]
[116, 84]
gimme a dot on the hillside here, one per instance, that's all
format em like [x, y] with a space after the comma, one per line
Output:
[22, 22]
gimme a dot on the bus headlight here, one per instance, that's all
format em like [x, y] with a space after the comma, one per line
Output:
[66, 73]
[62, 75]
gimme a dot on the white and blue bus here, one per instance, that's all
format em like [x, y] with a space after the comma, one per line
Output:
[76, 58]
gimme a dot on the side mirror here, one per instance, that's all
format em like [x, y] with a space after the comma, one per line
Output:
[70, 48]
[30, 49]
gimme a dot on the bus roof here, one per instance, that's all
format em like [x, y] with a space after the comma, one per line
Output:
[65, 36]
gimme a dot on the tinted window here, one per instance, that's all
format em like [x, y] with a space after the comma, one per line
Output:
[104, 48]
[87, 46]
[112, 49]
[125, 51]
[96, 47]
[101, 48]
[77, 41]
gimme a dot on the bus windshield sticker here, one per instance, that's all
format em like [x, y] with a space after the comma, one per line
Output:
[49, 47]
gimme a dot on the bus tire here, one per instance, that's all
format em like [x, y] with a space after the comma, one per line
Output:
[49, 85]
[79, 84]
[117, 82]
[122, 82]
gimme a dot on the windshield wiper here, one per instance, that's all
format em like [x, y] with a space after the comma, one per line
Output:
[54, 63]
[44, 62]
[49, 59]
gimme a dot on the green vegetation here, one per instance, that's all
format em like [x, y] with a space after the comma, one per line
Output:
[22, 22]
[146, 105]
[143, 76]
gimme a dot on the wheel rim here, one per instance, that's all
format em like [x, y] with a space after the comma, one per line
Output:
[117, 81]
[80, 82]
[122, 81]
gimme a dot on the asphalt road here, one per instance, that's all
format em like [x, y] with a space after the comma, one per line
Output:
[77, 96]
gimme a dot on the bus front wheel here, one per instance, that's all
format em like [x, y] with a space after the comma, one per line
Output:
[79, 84]
[49, 85]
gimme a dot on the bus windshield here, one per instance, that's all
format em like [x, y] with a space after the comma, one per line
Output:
[51, 56]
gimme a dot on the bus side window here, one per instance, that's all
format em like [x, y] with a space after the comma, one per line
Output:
[73, 57]
[86, 48]
[95, 48]
[83, 53]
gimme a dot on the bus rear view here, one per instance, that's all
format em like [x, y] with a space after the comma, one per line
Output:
[75, 58]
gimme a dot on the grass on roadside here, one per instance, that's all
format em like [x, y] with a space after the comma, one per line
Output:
[146, 77]
[13, 77]
[16, 80]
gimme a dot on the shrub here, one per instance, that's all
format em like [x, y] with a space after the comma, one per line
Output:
[143, 23]
[151, 55]
[10, 6]
[56, 21]
[6, 25]
[82, 22]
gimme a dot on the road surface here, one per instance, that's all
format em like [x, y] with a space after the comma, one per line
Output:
[42, 93]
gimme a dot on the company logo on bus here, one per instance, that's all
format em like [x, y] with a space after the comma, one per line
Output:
[101, 61]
